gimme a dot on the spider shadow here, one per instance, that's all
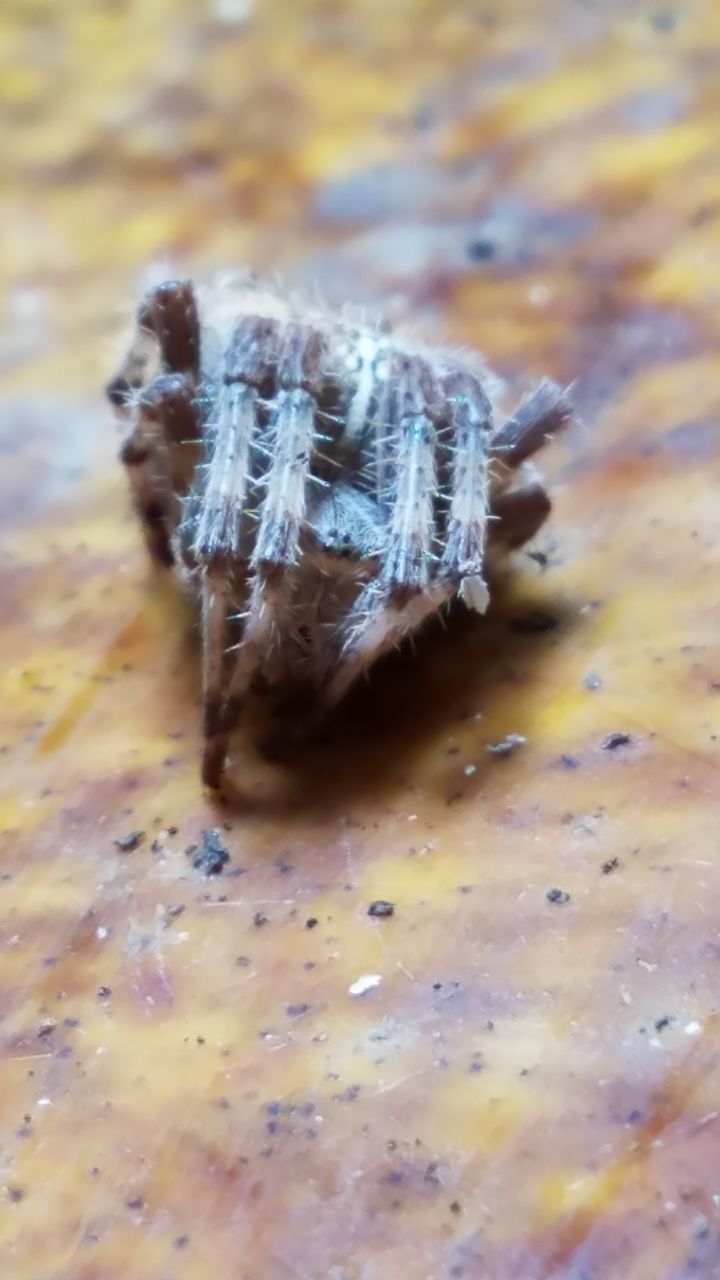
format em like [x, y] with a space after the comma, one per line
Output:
[457, 667]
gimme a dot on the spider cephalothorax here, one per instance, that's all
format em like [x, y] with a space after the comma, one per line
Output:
[323, 485]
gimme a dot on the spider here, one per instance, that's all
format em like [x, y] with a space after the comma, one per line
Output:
[322, 485]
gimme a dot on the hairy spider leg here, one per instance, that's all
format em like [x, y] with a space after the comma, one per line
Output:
[219, 511]
[170, 313]
[518, 515]
[167, 336]
[158, 464]
[470, 427]
[399, 598]
[292, 436]
[543, 412]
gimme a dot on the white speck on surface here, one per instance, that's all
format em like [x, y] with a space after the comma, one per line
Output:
[511, 742]
[412, 817]
[539, 295]
[365, 983]
[469, 770]
[693, 1029]
[101, 932]
[44, 1102]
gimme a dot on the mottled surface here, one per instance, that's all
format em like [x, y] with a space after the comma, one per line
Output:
[188, 1081]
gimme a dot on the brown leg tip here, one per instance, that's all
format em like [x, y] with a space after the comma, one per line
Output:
[213, 763]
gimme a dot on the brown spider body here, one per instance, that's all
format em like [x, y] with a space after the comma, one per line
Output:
[324, 486]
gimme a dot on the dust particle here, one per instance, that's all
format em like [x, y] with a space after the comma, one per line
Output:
[509, 744]
[297, 1010]
[615, 740]
[381, 908]
[211, 855]
[480, 250]
[126, 844]
[558, 896]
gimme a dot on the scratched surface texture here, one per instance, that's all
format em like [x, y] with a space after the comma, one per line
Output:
[531, 1089]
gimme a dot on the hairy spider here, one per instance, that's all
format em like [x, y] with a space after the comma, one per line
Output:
[322, 485]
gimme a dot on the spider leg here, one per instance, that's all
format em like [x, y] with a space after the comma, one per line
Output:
[276, 551]
[292, 431]
[167, 335]
[374, 626]
[519, 514]
[216, 514]
[401, 596]
[216, 605]
[544, 412]
[157, 461]
[406, 567]
[465, 540]
[170, 404]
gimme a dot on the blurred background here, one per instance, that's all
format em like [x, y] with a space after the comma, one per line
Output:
[530, 178]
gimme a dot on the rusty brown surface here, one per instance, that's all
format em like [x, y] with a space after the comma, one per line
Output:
[531, 1091]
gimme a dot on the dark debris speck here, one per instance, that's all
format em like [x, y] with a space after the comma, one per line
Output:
[104, 992]
[615, 740]
[381, 908]
[259, 919]
[558, 896]
[480, 249]
[311, 922]
[611, 865]
[126, 844]
[297, 1010]
[211, 855]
